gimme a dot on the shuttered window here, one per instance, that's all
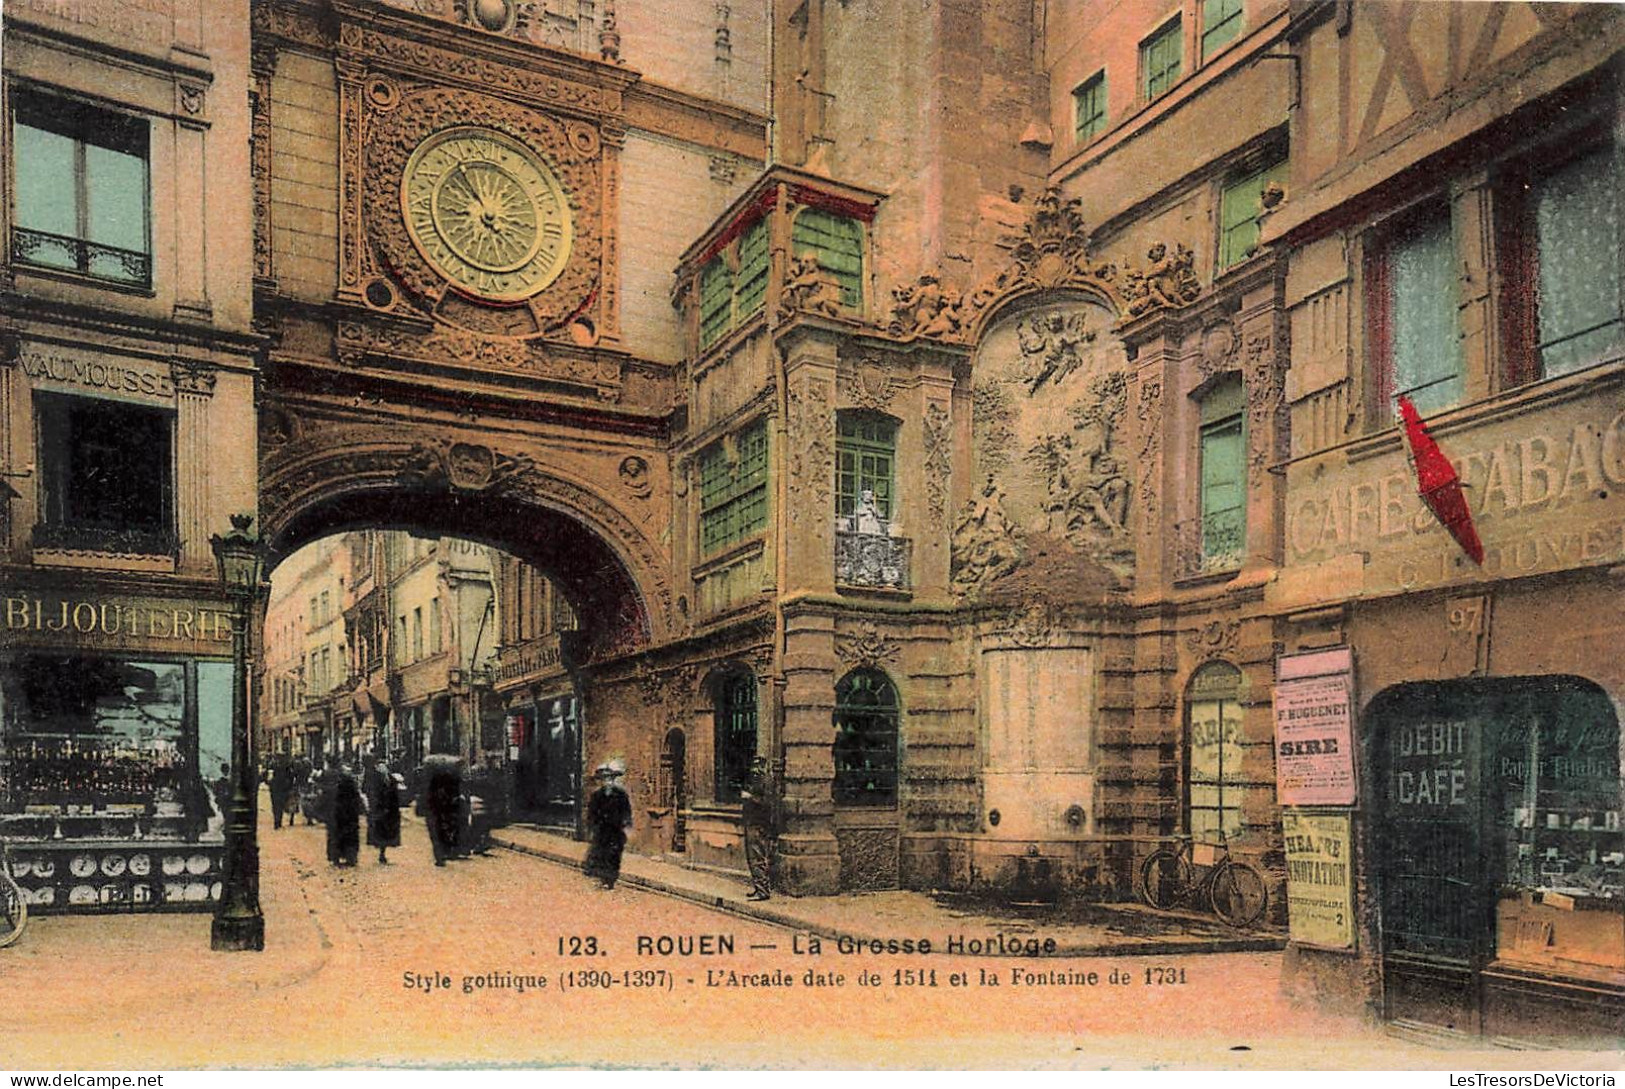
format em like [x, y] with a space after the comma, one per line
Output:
[1223, 481]
[1239, 208]
[837, 243]
[1221, 22]
[1089, 108]
[1160, 57]
[733, 489]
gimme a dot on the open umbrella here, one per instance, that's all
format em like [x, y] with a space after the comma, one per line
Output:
[1438, 483]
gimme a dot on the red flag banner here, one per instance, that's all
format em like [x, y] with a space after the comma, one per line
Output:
[1438, 483]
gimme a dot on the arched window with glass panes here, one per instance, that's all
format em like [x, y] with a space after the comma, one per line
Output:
[865, 746]
[1213, 779]
[735, 738]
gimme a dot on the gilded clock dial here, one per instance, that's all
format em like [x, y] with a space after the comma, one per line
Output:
[486, 213]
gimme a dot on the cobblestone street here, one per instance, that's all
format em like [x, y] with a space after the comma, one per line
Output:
[350, 953]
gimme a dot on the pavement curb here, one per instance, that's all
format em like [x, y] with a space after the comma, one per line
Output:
[791, 921]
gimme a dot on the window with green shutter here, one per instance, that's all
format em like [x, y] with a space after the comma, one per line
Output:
[1223, 476]
[1577, 246]
[1221, 22]
[1089, 108]
[716, 300]
[733, 489]
[865, 460]
[1160, 57]
[1239, 208]
[837, 242]
[754, 265]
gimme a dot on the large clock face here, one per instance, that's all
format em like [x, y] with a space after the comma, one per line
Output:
[486, 213]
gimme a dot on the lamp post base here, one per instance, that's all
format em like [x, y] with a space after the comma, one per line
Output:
[230, 934]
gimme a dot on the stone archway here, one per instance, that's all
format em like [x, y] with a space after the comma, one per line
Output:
[532, 499]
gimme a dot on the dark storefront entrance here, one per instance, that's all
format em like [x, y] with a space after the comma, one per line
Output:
[1499, 847]
[547, 767]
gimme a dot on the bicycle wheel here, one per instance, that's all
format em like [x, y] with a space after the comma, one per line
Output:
[13, 911]
[1164, 878]
[1238, 893]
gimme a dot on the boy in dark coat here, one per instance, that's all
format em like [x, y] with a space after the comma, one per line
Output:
[609, 815]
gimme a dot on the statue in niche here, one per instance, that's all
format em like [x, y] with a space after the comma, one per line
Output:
[986, 544]
[1168, 281]
[1052, 347]
[866, 518]
[925, 309]
[809, 289]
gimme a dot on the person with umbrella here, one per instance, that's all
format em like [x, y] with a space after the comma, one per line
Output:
[609, 815]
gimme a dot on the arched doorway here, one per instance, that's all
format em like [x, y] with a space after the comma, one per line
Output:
[865, 753]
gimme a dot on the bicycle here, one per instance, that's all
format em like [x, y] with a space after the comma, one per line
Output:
[13, 902]
[1235, 890]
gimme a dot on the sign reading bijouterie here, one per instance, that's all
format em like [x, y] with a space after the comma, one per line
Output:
[1319, 879]
[1314, 745]
[114, 623]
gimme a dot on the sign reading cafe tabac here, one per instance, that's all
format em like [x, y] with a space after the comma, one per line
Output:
[1314, 739]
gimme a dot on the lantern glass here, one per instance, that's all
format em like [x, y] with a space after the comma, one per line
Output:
[238, 555]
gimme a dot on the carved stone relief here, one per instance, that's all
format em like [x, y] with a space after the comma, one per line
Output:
[865, 384]
[1148, 414]
[938, 462]
[926, 309]
[1215, 639]
[866, 648]
[812, 457]
[1167, 281]
[987, 545]
[1049, 402]
[1267, 435]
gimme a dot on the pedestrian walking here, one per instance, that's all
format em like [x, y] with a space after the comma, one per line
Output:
[344, 821]
[384, 813]
[281, 786]
[760, 817]
[609, 815]
[442, 793]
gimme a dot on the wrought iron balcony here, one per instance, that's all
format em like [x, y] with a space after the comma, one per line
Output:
[871, 560]
[41, 249]
[133, 542]
[1215, 544]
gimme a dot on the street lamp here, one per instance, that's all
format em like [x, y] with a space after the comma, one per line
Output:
[238, 922]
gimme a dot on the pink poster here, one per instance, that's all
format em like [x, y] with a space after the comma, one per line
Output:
[1314, 750]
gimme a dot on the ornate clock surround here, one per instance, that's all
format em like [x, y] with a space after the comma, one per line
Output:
[401, 120]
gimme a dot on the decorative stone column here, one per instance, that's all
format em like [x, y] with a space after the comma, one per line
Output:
[194, 388]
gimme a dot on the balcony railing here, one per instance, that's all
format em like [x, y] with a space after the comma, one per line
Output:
[42, 249]
[1215, 544]
[135, 542]
[871, 560]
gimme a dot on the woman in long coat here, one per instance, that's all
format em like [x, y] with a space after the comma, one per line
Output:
[609, 815]
[344, 822]
[384, 818]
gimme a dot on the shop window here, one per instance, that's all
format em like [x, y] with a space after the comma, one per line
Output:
[101, 748]
[735, 739]
[837, 243]
[1160, 59]
[80, 202]
[1089, 108]
[106, 475]
[1500, 830]
[865, 747]
[1214, 784]
[1411, 286]
[733, 488]
[1240, 206]
[1563, 299]
[865, 461]
[1223, 459]
[1221, 22]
